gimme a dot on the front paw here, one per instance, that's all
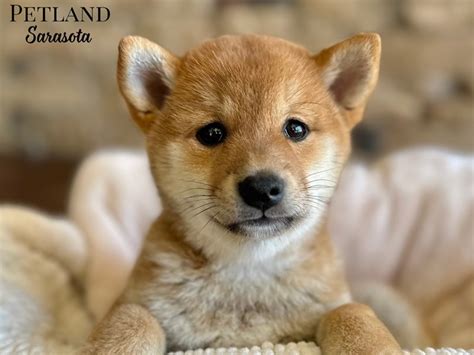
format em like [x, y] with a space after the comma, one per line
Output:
[355, 329]
[127, 329]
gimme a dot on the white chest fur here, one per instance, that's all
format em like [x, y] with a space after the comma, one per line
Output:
[237, 306]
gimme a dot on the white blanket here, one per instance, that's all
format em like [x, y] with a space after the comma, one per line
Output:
[407, 221]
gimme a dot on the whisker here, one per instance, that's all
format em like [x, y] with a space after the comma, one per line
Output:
[195, 201]
[195, 196]
[315, 198]
[318, 202]
[202, 185]
[318, 180]
[324, 201]
[195, 188]
[315, 187]
[205, 225]
[299, 209]
[192, 208]
[316, 206]
[320, 172]
[204, 210]
[198, 182]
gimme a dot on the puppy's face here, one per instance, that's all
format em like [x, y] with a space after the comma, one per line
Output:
[247, 135]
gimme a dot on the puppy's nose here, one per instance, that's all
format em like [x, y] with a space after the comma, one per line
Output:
[262, 190]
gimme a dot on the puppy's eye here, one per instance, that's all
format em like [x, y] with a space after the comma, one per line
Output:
[295, 130]
[211, 134]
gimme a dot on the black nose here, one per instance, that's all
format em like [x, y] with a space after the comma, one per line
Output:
[263, 190]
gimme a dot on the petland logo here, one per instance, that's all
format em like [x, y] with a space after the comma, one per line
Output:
[43, 14]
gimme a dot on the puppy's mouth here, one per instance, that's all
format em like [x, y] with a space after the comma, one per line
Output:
[261, 225]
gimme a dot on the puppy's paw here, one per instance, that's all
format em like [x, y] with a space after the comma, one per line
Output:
[127, 329]
[355, 329]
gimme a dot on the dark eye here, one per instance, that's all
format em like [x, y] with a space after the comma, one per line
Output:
[295, 130]
[211, 134]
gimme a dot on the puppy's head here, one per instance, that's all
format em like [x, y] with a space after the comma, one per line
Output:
[247, 135]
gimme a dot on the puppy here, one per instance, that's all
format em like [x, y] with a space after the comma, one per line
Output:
[246, 137]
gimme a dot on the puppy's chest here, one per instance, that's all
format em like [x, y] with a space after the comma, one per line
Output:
[222, 308]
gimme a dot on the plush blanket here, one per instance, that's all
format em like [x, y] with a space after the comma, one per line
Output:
[406, 221]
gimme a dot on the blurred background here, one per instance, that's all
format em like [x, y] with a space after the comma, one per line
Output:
[59, 102]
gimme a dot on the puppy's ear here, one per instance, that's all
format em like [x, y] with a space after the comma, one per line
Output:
[146, 75]
[350, 71]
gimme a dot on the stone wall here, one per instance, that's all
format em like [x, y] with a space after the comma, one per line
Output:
[61, 99]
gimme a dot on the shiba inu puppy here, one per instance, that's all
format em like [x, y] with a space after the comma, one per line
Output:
[246, 137]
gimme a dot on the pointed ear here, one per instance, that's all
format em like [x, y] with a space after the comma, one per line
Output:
[146, 75]
[350, 71]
